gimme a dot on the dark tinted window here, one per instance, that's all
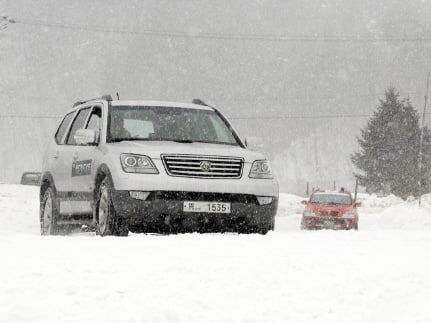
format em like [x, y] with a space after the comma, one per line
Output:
[63, 127]
[79, 123]
[328, 198]
[168, 124]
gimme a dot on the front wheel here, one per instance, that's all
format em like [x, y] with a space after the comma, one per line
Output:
[108, 221]
[260, 229]
[48, 213]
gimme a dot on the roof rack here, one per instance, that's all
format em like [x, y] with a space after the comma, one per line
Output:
[106, 97]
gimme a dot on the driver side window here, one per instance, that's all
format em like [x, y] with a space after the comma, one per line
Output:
[78, 123]
[95, 119]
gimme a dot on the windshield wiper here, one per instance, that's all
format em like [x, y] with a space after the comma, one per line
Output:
[128, 139]
[186, 141]
[118, 139]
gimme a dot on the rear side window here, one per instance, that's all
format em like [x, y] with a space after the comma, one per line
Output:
[79, 123]
[63, 127]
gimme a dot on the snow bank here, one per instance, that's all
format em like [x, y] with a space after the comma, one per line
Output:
[376, 213]
[393, 213]
[290, 204]
[19, 209]
[373, 201]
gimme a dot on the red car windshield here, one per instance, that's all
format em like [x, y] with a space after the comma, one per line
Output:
[328, 198]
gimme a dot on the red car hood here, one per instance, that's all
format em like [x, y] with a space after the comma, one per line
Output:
[329, 209]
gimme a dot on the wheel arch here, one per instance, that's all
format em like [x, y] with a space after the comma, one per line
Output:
[46, 181]
[102, 172]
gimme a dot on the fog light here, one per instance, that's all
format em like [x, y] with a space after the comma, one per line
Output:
[139, 195]
[263, 200]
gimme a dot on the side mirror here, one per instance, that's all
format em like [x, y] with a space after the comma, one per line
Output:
[304, 202]
[31, 178]
[254, 143]
[86, 137]
[357, 204]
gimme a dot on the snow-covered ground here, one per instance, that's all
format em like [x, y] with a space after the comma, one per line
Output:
[381, 273]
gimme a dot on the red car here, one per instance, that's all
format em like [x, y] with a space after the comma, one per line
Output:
[330, 210]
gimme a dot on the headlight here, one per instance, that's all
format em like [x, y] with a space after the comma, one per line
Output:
[138, 164]
[261, 169]
[350, 214]
[308, 212]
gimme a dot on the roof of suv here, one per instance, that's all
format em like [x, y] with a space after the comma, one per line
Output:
[196, 104]
[161, 104]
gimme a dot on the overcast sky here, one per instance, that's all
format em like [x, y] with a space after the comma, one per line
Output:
[260, 62]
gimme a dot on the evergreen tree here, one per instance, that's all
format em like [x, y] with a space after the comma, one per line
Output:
[389, 149]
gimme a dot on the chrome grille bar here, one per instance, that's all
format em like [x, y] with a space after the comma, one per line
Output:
[203, 166]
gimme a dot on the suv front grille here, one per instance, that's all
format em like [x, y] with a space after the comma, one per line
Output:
[203, 166]
[327, 213]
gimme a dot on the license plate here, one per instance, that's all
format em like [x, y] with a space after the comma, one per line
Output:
[329, 224]
[207, 207]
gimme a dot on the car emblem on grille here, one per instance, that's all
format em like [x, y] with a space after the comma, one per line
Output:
[205, 166]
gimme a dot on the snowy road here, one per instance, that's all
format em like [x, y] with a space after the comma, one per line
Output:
[379, 274]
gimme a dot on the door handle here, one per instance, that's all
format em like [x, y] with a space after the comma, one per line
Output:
[75, 156]
[56, 155]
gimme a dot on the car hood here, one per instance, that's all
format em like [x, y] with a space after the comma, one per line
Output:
[154, 149]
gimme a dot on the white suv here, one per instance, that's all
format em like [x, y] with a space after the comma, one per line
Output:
[150, 166]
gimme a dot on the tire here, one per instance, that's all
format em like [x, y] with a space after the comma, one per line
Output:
[356, 227]
[48, 213]
[260, 229]
[265, 229]
[108, 222]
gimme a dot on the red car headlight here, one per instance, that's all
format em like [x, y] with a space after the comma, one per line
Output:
[350, 214]
[308, 212]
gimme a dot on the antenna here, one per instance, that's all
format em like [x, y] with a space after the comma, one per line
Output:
[118, 96]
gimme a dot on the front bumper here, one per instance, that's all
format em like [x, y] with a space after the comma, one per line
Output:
[166, 208]
[320, 222]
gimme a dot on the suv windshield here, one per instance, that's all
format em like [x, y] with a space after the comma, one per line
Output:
[331, 198]
[168, 124]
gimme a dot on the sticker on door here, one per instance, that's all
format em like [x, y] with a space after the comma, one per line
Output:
[81, 168]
